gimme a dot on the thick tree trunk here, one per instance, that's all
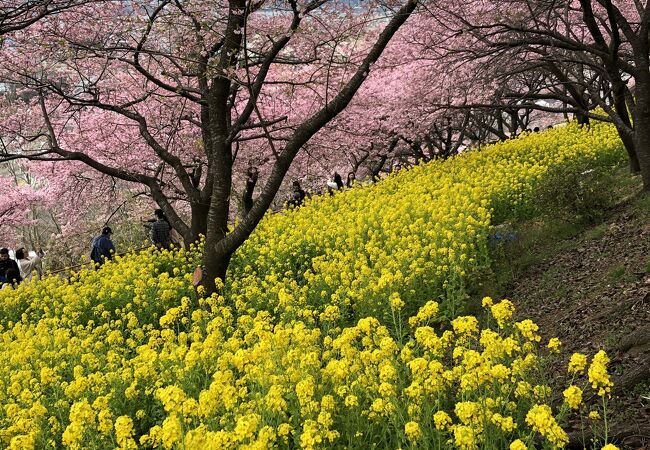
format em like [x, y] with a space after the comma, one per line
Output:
[642, 129]
[199, 224]
[217, 255]
[642, 145]
[628, 142]
[619, 90]
[216, 265]
[501, 134]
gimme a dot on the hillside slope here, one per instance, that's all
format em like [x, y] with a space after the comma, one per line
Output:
[592, 290]
[342, 325]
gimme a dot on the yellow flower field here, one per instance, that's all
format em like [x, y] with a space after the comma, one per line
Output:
[420, 234]
[341, 327]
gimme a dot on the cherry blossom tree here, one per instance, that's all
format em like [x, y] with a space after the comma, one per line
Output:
[18, 15]
[175, 97]
[585, 54]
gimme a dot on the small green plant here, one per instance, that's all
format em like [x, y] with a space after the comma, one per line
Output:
[617, 274]
[576, 194]
[596, 232]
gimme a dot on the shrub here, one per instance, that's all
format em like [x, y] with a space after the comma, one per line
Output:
[576, 193]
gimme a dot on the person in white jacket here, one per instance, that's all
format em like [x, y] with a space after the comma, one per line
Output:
[26, 264]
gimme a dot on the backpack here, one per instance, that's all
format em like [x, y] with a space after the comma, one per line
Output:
[95, 253]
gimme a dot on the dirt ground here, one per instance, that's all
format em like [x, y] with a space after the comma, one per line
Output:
[594, 293]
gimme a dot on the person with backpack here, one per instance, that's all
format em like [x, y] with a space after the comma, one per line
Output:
[297, 196]
[102, 247]
[6, 264]
[159, 230]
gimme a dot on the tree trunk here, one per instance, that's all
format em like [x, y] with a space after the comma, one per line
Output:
[642, 130]
[619, 92]
[501, 134]
[642, 144]
[216, 256]
[628, 141]
[582, 119]
[216, 266]
[199, 224]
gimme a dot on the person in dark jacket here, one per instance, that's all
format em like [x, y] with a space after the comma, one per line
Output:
[12, 279]
[159, 230]
[338, 180]
[102, 247]
[6, 264]
[297, 196]
[252, 174]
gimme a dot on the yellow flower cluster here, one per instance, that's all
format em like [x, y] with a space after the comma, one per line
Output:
[307, 346]
[554, 345]
[598, 376]
[540, 418]
[577, 363]
[573, 396]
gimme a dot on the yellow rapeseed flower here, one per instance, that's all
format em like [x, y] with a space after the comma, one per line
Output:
[594, 415]
[554, 345]
[598, 376]
[502, 312]
[573, 396]
[441, 420]
[577, 363]
[412, 431]
[518, 444]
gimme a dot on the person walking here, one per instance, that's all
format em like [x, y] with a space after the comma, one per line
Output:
[26, 264]
[6, 264]
[102, 247]
[159, 230]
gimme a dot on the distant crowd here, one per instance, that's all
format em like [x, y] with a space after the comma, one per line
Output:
[22, 268]
[298, 194]
[161, 234]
